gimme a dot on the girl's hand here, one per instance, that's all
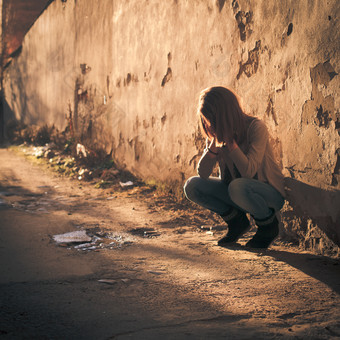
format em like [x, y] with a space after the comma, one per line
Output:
[213, 148]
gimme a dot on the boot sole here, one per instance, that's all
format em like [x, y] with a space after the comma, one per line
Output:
[249, 246]
[231, 242]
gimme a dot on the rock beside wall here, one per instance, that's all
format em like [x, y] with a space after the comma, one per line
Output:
[128, 73]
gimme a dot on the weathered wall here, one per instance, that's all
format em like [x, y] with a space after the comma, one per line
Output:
[130, 72]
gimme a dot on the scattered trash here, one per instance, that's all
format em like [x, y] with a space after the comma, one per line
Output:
[111, 198]
[85, 174]
[84, 245]
[145, 232]
[78, 236]
[154, 272]
[38, 152]
[81, 151]
[126, 184]
[94, 239]
[209, 232]
[108, 281]
[217, 227]
[91, 248]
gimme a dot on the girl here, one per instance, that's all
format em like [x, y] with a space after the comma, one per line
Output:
[250, 181]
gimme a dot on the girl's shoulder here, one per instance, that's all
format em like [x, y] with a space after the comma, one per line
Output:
[256, 128]
[256, 124]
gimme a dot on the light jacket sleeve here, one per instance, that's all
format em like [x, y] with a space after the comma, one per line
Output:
[249, 163]
[206, 163]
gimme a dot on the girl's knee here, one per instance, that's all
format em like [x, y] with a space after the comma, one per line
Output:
[190, 185]
[237, 187]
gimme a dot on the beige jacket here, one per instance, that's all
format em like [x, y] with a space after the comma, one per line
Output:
[252, 159]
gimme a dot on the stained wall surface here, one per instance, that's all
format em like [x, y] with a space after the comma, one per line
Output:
[129, 73]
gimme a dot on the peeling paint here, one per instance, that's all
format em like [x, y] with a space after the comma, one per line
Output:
[320, 109]
[251, 65]
[244, 20]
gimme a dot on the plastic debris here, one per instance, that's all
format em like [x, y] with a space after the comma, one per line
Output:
[79, 236]
[108, 281]
[126, 184]
[81, 151]
[84, 245]
[38, 152]
[94, 239]
[90, 248]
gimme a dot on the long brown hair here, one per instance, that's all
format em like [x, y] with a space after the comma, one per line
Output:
[220, 108]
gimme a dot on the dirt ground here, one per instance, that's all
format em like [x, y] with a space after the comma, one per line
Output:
[152, 272]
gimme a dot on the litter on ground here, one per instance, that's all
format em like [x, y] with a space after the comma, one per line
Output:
[78, 236]
[126, 184]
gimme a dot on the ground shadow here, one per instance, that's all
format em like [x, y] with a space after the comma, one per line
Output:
[6, 116]
[322, 268]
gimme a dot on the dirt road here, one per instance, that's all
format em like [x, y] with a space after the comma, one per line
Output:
[150, 275]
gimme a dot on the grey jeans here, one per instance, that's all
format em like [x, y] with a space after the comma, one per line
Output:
[249, 195]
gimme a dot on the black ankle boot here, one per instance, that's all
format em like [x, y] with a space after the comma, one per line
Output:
[238, 224]
[267, 232]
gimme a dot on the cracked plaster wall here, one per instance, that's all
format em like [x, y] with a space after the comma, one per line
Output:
[130, 73]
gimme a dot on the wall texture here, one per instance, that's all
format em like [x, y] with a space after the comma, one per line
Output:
[129, 73]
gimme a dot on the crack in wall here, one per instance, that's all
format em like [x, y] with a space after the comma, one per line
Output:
[270, 110]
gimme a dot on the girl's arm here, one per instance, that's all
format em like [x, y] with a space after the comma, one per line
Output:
[208, 159]
[248, 164]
